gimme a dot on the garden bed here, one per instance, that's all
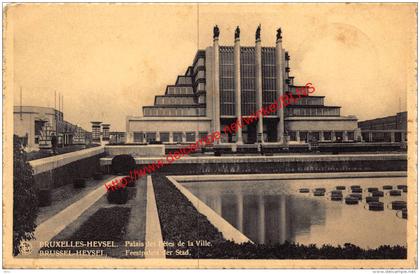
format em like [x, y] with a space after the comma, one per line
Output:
[105, 225]
[181, 222]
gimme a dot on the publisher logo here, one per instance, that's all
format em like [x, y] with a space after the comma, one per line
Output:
[25, 248]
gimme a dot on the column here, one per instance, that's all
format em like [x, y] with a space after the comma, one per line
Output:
[157, 136]
[196, 136]
[333, 136]
[237, 83]
[216, 91]
[283, 219]
[171, 137]
[297, 136]
[279, 85]
[184, 137]
[258, 82]
[370, 137]
[392, 137]
[321, 136]
[345, 136]
[261, 219]
[240, 211]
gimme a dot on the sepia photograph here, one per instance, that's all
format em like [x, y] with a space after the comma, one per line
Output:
[210, 135]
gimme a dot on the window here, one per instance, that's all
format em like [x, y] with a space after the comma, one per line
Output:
[303, 135]
[248, 102]
[150, 137]
[202, 134]
[315, 135]
[268, 76]
[339, 136]
[38, 127]
[138, 137]
[190, 136]
[292, 135]
[164, 137]
[327, 135]
[177, 137]
[227, 91]
[350, 135]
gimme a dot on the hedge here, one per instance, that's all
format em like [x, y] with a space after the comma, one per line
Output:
[25, 200]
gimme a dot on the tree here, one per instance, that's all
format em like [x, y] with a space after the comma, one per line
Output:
[25, 200]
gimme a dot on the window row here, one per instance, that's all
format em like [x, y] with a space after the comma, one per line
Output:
[268, 71]
[168, 137]
[312, 111]
[310, 101]
[159, 112]
[200, 63]
[184, 80]
[200, 75]
[175, 100]
[180, 90]
[306, 136]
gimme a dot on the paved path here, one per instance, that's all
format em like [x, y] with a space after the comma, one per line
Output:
[154, 242]
[136, 230]
[54, 225]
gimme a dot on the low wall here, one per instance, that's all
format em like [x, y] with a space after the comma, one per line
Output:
[276, 164]
[136, 151]
[59, 170]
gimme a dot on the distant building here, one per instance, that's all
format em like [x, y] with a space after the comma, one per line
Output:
[385, 129]
[227, 82]
[35, 125]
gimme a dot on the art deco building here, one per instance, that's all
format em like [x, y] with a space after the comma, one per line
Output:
[227, 82]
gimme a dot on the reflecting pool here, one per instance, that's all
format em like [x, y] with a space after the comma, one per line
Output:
[274, 211]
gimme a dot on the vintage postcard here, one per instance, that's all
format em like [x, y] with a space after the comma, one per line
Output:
[210, 135]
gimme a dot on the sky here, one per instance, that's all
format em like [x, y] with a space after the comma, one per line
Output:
[109, 60]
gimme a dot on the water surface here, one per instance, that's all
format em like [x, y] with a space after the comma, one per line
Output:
[274, 211]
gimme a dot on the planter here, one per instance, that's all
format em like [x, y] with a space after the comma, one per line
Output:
[119, 196]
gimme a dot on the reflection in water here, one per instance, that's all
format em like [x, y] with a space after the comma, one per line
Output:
[273, 212]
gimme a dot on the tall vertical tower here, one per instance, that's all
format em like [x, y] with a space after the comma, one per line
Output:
[258, 82]
[216, 91]
[280, 85]
[237, 75]
[96, 131]
[105, 132]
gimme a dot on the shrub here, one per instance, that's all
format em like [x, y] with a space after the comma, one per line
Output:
[79, 183]
[131, 182]
[122, 164]
[25, 200]
[44, 197]
[118, 196]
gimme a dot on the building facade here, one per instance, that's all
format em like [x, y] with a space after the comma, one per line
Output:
[385, 129]
[225, 83]
[35, 126]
